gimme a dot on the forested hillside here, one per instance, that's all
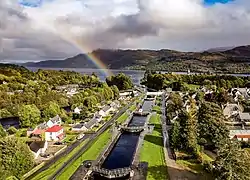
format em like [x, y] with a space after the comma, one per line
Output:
[230, 61]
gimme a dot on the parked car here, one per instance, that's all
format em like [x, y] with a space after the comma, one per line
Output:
[58, 143]
[80, 136]
[87, 164]
[45, 155]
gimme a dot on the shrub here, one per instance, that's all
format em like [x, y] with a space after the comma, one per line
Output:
[12, 130]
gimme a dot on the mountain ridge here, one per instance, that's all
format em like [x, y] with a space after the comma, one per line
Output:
[163, 59]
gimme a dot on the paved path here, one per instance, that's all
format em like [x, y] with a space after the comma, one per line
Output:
[175, 171]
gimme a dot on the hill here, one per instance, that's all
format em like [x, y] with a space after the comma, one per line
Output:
[234, 60]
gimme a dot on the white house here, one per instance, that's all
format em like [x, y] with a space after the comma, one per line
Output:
[54, 121]
[55, 133]
[98, 117]
[77, 110]
[159, 93]
[232, 109]
[38, 147]
[79, 128]
[105, 111]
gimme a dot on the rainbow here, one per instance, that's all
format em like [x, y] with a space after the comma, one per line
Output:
[76, 43]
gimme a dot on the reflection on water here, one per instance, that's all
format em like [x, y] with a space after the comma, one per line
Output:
[122, 154]
[137, 121]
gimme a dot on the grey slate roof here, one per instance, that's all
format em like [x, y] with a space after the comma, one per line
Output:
[55, 119]
[244, 116]
[79, 126]
[92, 122]
[42, 126]
[106, 108]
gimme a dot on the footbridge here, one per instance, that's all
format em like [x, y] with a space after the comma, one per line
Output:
[113, 173]
[133, 129]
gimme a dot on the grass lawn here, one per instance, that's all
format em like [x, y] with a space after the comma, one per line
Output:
[91, 154]
[46, 174]
[157, 109]
[206, 157]
[192, 164]
[132, 108]
[193, 86]
[123, 118]
[69, 138]
[152, 152]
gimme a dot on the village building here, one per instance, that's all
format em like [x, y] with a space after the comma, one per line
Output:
[231, 110]
[55, 133]
[240, 135]
[244, 117]
[89, 125]
[105, 111]
[54, 121]
[79, 127]
[77, 110]
[38, 147]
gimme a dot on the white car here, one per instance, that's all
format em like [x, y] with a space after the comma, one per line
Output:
[80, 136]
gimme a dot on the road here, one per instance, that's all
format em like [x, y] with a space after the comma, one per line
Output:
[90, 142]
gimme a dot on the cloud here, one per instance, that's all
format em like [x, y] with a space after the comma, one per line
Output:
[56, 29]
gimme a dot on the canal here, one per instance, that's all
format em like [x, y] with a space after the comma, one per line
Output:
[122, 154]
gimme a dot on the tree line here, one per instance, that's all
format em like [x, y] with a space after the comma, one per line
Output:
[179, 82]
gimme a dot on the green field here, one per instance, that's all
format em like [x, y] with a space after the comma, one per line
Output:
[152, 152]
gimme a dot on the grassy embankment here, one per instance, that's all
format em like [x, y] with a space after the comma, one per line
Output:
[152, 151]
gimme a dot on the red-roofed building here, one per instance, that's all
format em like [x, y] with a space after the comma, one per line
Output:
[242, 137]
[55, 133]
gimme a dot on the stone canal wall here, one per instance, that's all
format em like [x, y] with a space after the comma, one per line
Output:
[116, 135]
[136, 159]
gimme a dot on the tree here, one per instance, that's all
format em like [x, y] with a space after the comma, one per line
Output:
[115, 91]
[15, 157]
[90, 101]
[122, 81]
[191, 129]
[29, 115]
[12, 130]
[63, 102]
[175, 135]
[52, 110]
[211, 126]
[232, 162]
[2, 131]
[4, 113]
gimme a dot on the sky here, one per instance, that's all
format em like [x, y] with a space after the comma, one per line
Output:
[33, 30]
